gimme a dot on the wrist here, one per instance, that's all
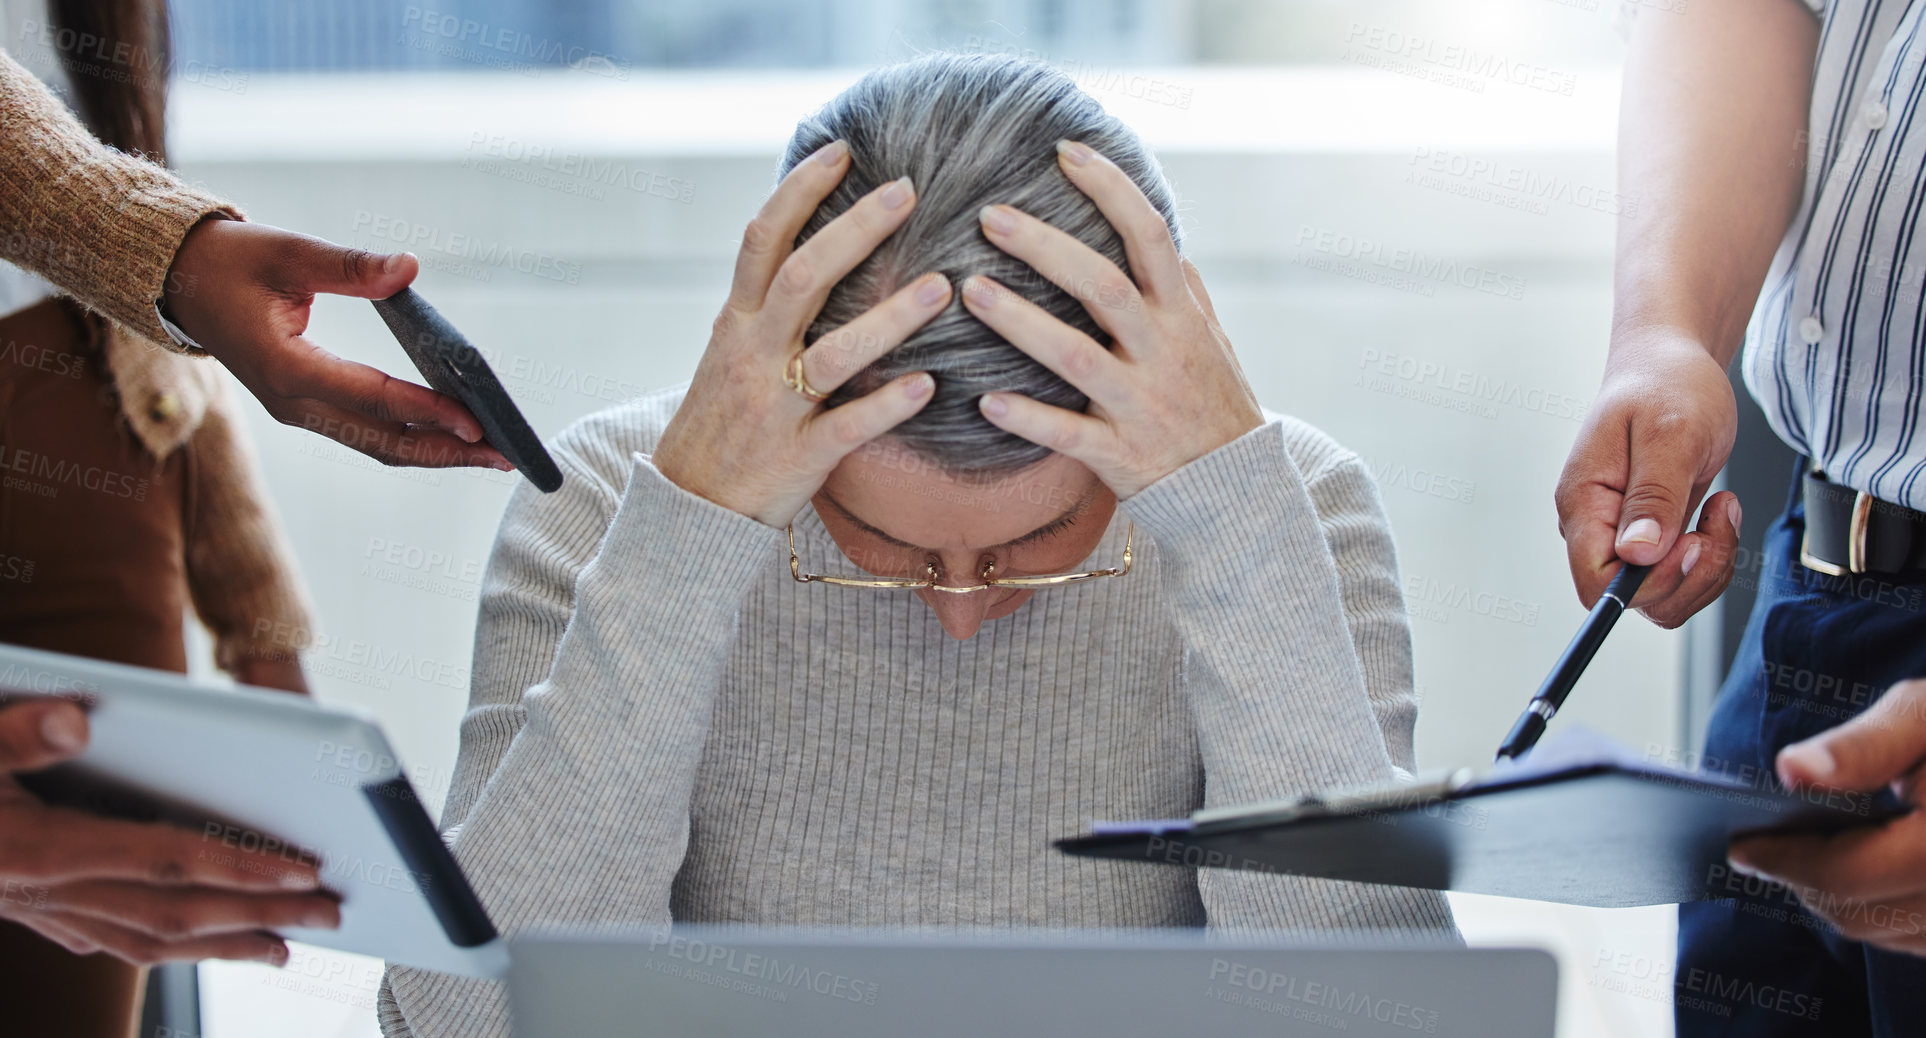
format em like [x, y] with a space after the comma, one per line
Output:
[187, 276]
[1644, 347]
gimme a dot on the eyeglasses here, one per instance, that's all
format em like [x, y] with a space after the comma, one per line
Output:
[987, 575]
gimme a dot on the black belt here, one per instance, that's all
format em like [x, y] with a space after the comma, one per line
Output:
[1851, 531]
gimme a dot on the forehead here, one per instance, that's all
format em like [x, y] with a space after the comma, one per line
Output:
[910, 498]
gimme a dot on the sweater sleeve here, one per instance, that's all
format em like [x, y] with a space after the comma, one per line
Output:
[573, 795]
[1285, 593]
[101, 225]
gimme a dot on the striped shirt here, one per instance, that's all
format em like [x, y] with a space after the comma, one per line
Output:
[1836, 350]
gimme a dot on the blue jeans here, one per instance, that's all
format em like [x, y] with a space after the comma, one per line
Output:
[1817, 651]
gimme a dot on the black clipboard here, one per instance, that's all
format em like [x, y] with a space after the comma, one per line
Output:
[454, 367]
[1578, 826]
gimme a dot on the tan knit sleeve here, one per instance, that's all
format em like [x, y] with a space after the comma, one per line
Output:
[100, 224]
[240, 568]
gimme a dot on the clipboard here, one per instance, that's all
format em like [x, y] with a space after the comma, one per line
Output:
[272, 771]
[1576, 823]
[454, 367]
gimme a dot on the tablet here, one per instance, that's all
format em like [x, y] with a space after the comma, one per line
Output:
[458, 369]
[247, 766]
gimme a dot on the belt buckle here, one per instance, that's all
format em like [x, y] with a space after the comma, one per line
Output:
[1862, 507]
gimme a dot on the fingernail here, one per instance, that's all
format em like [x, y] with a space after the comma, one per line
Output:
[300, 881]
[277, 955]
[919, 387]
[1737, 513]
[62, 731]
[391, 264]
[980, 292]
[1811, 758]
[993, 405]
[897, 193]
[321, 917]
[1642, 531]
[1741, 864]
[997, 218]
[1691, 558]
[932, 290]
[1077, 154]
[503, 466]
[831, 153]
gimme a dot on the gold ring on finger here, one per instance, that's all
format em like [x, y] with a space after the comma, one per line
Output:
[792, 376]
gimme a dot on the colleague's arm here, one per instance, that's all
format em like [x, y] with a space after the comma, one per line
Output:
[1711, 162]
[119, 233]
[1870, 883]
[144, 893]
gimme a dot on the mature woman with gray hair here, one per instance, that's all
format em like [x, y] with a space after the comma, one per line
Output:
[1046, 561]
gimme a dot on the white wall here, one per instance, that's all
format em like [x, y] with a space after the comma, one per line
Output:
[1463, 399]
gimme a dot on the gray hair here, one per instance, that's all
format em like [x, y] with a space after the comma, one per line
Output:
[969, 131]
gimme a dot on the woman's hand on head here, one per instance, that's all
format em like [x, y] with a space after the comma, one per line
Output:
[1168, 392]
[742, 437]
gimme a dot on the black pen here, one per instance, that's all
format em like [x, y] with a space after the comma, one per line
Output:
[1578, 655]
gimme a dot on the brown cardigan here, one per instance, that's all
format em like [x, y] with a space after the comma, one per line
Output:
[103, 227]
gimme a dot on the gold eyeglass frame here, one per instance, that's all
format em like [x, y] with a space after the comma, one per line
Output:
[987, 574]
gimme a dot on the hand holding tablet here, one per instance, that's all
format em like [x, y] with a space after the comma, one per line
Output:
[145, 893]
[263, 815]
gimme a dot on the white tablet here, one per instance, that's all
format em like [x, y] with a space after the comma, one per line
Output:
[247, 767]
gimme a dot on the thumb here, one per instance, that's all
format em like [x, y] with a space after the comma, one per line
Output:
[38, 733]
[1658, 493]
[322, 266]
[1866, 753]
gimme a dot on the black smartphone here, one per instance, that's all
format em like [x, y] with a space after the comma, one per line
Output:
[453, 366]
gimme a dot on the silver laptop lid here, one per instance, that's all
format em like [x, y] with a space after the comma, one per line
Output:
[734, 981]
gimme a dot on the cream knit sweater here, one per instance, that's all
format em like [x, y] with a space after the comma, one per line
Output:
[663, 726]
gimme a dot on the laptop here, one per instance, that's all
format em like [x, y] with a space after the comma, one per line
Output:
[739, 981]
